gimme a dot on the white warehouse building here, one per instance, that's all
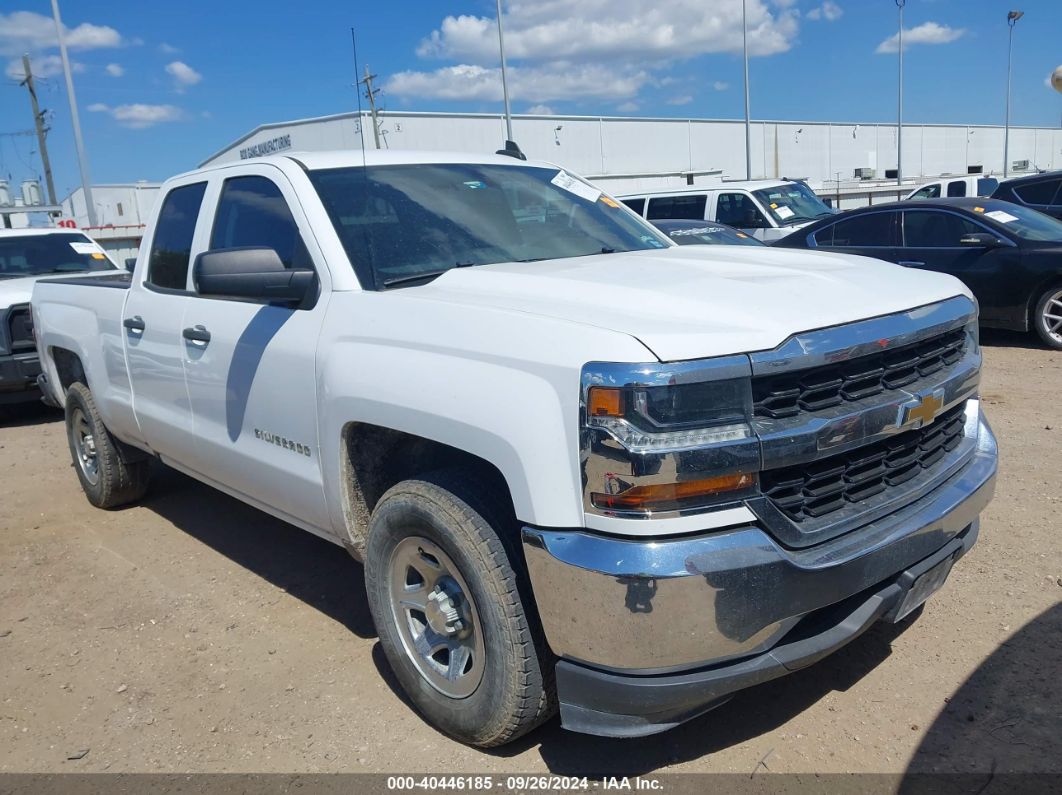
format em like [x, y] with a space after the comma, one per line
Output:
[624, 154]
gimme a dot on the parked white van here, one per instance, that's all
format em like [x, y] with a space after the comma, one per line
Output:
[955, 187]
[766, 209]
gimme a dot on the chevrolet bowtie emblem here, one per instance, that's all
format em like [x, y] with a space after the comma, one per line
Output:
[921, 410]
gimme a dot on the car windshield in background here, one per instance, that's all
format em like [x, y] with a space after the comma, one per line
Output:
[34, 255]
[1024, 222]
[793, 203]
[687, 234]
[405, 224]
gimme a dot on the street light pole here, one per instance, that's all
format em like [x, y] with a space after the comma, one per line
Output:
[748, 123]
[82, 161]
[899, 100]
[1012, 19]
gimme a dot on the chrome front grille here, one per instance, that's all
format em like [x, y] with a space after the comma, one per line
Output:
[908, 367]
[817, 488]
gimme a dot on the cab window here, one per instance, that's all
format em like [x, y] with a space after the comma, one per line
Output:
[171, 246]
[739, 210]
[956, 189]
[928, 192]
[253, 212]
[638, 205]
[689, 208]
[869, 230]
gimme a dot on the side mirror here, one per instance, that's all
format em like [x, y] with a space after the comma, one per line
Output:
[251, 273]
[980, 240]
[130, 264]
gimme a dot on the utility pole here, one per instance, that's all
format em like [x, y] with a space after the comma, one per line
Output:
[371, 93]
[1012, 20]
[42, 131]
[90, 205]
[748, 122]
[899, 101]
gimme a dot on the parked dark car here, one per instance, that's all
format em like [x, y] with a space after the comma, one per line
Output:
[1010, 256]
[1041, 192]
[700, 233]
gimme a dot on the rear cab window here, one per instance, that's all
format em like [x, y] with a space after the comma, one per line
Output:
[689, 208]
[638, 205]
[171, 245]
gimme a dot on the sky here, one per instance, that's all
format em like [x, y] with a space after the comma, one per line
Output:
[162, 86]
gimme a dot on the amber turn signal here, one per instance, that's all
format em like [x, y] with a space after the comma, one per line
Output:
[605, 402]
[670, 496]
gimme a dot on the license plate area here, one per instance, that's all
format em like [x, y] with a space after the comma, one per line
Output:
[924, 586]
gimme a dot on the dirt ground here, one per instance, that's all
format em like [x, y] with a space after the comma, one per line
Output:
[192, 633]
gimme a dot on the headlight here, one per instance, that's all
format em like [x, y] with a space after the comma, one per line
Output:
[661, 438]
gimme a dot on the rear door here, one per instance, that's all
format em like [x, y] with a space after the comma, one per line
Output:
[152, 324]
[253, 383]
[931, 241]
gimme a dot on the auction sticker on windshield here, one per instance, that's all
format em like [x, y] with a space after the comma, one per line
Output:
[578, 187]
[1002, 216]
[84, 247]
[783, 212]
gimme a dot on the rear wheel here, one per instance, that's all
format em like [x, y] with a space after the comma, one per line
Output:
[107, 480]
[1047, 317]
[451, 616]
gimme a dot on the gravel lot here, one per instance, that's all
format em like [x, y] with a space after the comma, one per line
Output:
[192, 633]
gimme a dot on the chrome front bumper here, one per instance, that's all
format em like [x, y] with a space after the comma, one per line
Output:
[653, 608]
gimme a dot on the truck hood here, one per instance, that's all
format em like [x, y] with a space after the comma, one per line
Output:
[20, 290]
[698, 301]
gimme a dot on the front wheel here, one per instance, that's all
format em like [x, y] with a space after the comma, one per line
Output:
[1047, 317]
[450, 613]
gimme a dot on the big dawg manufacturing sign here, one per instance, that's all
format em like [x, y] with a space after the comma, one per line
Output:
[263, 148]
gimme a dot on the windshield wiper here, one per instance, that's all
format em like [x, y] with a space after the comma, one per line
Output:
[416, 277]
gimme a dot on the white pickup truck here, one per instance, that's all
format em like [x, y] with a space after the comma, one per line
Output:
[583, 467]
[26, 256]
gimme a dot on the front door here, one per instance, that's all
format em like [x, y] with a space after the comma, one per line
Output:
[250, 367]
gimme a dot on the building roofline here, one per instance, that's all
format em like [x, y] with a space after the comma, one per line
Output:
[529, 116]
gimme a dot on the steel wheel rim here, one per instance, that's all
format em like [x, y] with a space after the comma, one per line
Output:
[84, 443]
[436, 617]
[1051, 317]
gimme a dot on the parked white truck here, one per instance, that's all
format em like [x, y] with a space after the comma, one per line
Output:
[27, 255]
[582, 466]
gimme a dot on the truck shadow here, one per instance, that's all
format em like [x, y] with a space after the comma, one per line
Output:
[319, 573]
[1005, 718]
[31, 413]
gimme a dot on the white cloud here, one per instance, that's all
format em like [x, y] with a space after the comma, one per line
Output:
[114, 70]
[42, 66]
[168, 49]
[595, 30]
[685, 99]
[541, 110]
[829, 11]
[183, 75]
[22, 31]
[558, 81]
[719, 85]
[627, 107]
[139, 116]
[926, 33]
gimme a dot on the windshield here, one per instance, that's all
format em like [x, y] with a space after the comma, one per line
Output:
[701, 234]
[792, 203]
[1023, 222]
[62, 252]
[406, 224]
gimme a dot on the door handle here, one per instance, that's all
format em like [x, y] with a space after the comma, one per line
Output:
[135, 323]
[196, 334]
[911, 263]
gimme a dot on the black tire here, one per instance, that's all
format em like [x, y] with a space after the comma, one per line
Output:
[456, 517]
[1040, 321]
[109, 480]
